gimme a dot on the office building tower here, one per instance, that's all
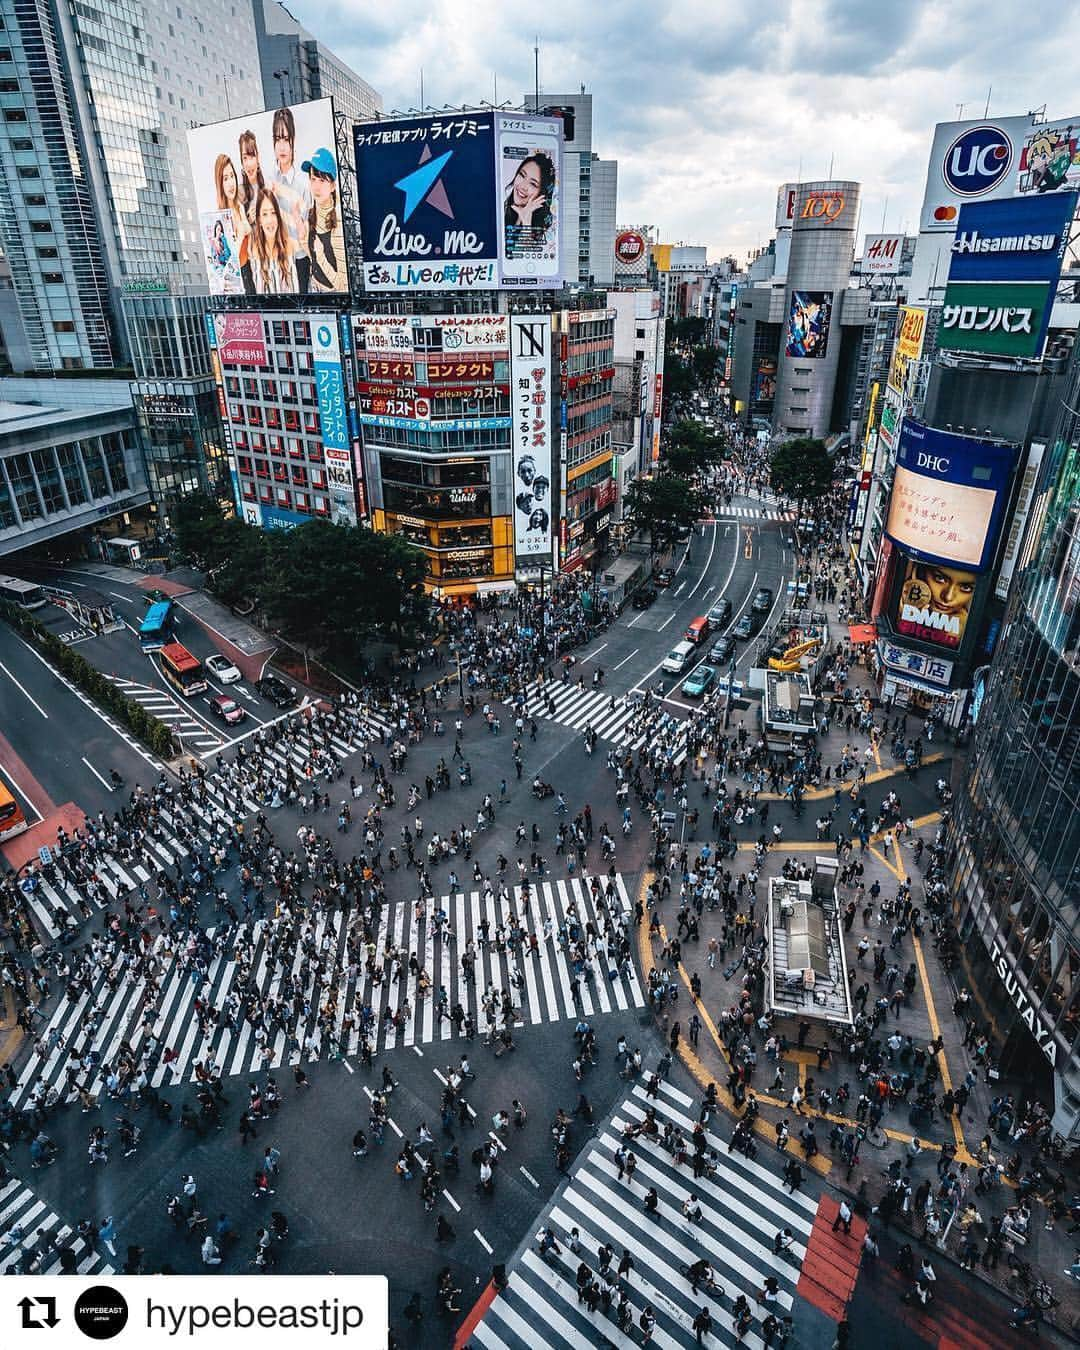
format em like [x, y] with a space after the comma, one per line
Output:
[298, 68]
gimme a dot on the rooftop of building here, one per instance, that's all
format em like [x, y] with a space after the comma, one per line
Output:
[807, 971]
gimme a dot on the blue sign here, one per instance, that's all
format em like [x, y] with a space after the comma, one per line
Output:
[1015, 239]
[949, 493]
[427, 199]
[426, 424]
[977, 161]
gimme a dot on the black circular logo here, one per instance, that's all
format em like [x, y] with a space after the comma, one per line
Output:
[101, 1312]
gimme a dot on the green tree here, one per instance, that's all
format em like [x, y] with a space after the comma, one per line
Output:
[692, 447]
[240, 554]
[664, 508]
[199, 524]
[802, 469]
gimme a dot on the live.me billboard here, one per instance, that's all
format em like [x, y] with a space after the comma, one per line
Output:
[460, 201]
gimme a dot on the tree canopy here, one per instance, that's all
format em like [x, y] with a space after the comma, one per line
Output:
[692, 447]
[664, 508]
[802, 469]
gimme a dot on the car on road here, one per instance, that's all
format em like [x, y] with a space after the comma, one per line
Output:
[227, 709]
[277, 692]
[223, 669]
[698, 681]
[746, 627]
[722, 650]
[763, 600]
[664, 576]
[678, 658]
[720, 614]
[643, 597]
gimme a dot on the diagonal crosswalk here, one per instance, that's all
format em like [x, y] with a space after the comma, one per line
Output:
[27, 1222]
[50, 901]
[743, 1204]
[616, 718]
[538, 976]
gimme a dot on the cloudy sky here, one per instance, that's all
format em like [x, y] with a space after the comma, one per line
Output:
[709, 106]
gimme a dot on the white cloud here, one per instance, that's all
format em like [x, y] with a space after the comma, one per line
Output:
[709, 106]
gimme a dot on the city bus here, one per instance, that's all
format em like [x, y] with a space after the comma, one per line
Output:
[22, 593]
[182, 670]
[156, 628]
[12, 820]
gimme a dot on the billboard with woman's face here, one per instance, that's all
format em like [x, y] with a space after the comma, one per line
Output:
[528, 173]
[269, 203]
[935, 601]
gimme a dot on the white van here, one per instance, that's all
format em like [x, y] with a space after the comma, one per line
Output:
[678, 658]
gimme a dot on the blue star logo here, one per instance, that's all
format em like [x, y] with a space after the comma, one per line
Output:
[423, 185]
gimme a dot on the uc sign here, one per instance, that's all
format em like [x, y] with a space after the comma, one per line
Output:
[823, 206]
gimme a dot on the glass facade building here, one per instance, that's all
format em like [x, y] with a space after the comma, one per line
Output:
[1015, 836]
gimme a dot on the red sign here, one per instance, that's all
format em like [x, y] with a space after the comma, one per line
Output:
[658, 399]
[629, 247]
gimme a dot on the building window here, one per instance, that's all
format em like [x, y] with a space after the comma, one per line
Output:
[69, 467]
[14, 114]
[64, 326]
[22, 484]
[53, 278]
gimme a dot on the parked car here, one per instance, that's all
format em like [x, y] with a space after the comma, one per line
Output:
[230, 712]
[722, 650]
[746, 627]
[277, 692]
[643, 597]
[664, 576]
[223, 668]
[763, 600]
[720, 613]
[698, 681]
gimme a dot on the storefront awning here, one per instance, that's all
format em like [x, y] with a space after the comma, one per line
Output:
[862, 632]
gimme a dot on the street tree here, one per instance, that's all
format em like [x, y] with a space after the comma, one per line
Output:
[664, 508]
[802, 469]
[692, 447]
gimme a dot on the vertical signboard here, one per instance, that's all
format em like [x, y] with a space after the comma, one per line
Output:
[333, 416]
[658, 408]
[528, 174]
[530, 385]
[882, 254]
[908, 348]
[1024, 497]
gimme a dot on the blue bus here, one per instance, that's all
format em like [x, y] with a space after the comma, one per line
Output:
[156, 628]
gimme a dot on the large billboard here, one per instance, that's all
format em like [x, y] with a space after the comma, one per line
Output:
[934, 603]
[239, 339]
[333, 416]
[631, 253]
[995, 318]
[269, 204]
[808, 324]
[882, 254]
[907, 349]
[948, 495]
[461, 201]
[763, 393]
[530, 402]
[970, 160]
[1050, 158]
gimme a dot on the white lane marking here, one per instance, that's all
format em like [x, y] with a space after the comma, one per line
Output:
[96, 774]
[593, 653]
[529, 1177]
[705, 569]
[483, 1241]
[419, 1051]
[451, 1201]
[22, 689]
[626, 658]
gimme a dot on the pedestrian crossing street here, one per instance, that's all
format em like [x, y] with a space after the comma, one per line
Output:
[540, 986]
[22, 1211]
[221, 808]
[756, 511]
[624, 724]
[743, 1206]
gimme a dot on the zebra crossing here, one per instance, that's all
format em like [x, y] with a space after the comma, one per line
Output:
[616, 718]
[27, 1222]
[162, 705]
[51, 901]
[743, 1206]
[538, 980]
[756, 512]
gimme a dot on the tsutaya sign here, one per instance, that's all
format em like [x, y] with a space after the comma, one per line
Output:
[1043, 1035]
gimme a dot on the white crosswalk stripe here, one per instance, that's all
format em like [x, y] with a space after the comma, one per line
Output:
[539, 981]
[755, 512]
[614, 719]
[743, 1206]
[28, 1222]
[164, 849]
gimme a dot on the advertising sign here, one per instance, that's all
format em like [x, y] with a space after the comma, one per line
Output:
[446, 341]
[1024, 497]
[948, 494]
[631, 253]
[907, 348]
[882, 254]
[461, 201]
[239, 339]
[1020, 239]
[529, 171]
[808, 324]
[530, 382]
[1050, 158]
[268, 202]
[901, 661]
[658, 408]
[995, 318]
[785, 205]
[934, 604]
[833, 205]
[970, 160]
[764, 391]
[333, 416]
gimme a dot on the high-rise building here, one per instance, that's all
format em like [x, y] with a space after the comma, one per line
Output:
[590, 190]
[298, 68]
[1015, 835]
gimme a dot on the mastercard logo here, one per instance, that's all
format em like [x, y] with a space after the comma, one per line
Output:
[945, 213]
